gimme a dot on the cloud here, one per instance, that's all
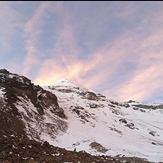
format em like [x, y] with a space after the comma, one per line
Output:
[51, 71]
[35, 31]
[145, 80]
[90, 72]
[67, 54]
[32, 30]
[105, 46]
[120, 67]
[10, 34]
[9, 20]
[142, 85]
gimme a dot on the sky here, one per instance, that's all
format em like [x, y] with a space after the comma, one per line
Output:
[113, 48]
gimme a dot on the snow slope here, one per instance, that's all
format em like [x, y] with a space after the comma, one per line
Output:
[129, 129]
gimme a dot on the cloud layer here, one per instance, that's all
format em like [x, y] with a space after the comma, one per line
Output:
[114, 48]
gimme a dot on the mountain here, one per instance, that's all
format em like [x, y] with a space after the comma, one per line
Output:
[65, 115]
[100, 125]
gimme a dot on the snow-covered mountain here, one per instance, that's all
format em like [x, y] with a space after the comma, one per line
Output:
[102, 126]
[76, 118]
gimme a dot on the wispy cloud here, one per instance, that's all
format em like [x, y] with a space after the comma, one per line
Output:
[103, 66]
[32, 30]
[111, 47]
[142, 85]
[146, 79]
[9, 20]
[89, 72]
[10, 29]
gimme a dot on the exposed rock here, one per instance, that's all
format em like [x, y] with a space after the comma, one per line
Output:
[116, 111]
[123, 120]
[135, 108]
[111, 105]
[98, 147]
[101, 96]
[92, 105]
[130, 101]
[46, 144]
[153, 107]
[114, 103]
[153, 133]
[142, 110]
[77, 111]
[114, 129]
[20, 97]
[153, 143]
[124, 104]
[130, 125]
[90, 95]
[19, 86]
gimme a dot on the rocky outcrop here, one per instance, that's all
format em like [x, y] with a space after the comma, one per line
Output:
[89, 95]
[98, 147]
[17, 86]
[153, 107]
[20, 95]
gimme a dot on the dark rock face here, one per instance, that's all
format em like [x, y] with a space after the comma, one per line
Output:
[16, 89]
[153, 133]
[89, 95]
[123, 120]
[19, 86]
[98, 147]
[10, 124]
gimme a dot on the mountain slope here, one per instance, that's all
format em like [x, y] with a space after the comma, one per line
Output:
[102, 126]
[72, 117]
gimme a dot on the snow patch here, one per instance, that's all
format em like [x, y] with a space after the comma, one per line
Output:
[1, 92]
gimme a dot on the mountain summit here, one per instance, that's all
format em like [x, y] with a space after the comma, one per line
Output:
[75, 118]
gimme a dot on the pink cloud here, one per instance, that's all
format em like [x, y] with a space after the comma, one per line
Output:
[131, 46]
[51, 70]
[10, 22]
[31, 32]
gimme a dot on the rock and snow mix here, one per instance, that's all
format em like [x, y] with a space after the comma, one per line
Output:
[72, 117]
[120, 128]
